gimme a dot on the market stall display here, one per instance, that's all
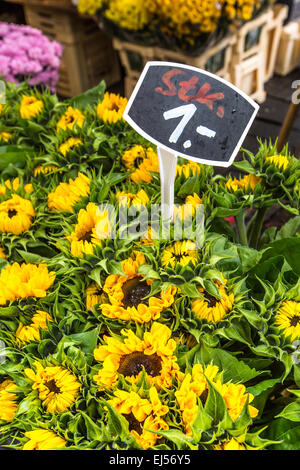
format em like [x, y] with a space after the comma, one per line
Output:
[141, 341]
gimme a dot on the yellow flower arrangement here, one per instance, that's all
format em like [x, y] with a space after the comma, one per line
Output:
[14, 185]
[188, 169]
[16, 215]
[211, 308]
[246, 183]
[89, 7]
[23, 281]
[128, 294]
[111, 108]
[8, 400]
[39, 170]
[94, 296]
[128, 357]
[70, 118]
[5, 136]
[143, 415]
[287, 319]
[141, 162]
[195, 385]
[232, 444]
[43, 439]
[70, 144]
[181, 253]
[186, 19]
[141, 198]
[25, 334]
[128, 14]
[85, 238]
[67, 194]
[30, 107]
[57, 387]
[280, 161]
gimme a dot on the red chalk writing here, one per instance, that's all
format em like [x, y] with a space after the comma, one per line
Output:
[188, 93]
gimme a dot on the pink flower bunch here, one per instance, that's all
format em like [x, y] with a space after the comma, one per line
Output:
[25, 52]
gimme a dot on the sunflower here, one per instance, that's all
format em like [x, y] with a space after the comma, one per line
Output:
[2, 253]
[25, 334]
[148, 237]
[195, 385]
[57, 387]
[8, 400]
[23, 281]
[14, 185]
[70, 118]
[70, 144]
[44, 169]
[180, 253]
[94, 296]
[188, 169]
[288, 319]
[232, 444]
[235, 397]
[248, 182]
[5, 136]
[141, 162]
[128, 357]
[128, 294]
[280, 161]
[43, 439]
[112, 107]
[15, 215]
[188, 209]
[141, 198]
[211, 308]
[144, 416]
[84, 238]
[30, 107]
[67, 194]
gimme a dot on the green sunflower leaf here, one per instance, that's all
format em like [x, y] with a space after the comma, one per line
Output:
[291, 412]
[181, 440]
[235, 370]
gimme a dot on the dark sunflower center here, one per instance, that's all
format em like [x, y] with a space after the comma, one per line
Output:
[135, 292]
[178, 257]
[51, 384]
[11, 213]
[133, 364]
[134, 424]
[70, 119]
[114, 107]
[87, 237]
[210, 299]
[294, 320]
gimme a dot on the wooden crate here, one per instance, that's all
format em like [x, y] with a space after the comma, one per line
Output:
[274, 29]
[59, 25]
[61, 4]
[216, 59]
[251, 37]
[88, 56]
[288, 56]
[249, 77]
[86, 63]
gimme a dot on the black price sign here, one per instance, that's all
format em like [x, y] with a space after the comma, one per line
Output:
[190, 112]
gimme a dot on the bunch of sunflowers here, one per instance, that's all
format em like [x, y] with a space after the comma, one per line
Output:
[178, 24]
[141, 341]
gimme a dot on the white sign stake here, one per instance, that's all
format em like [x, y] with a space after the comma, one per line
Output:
[167, 165]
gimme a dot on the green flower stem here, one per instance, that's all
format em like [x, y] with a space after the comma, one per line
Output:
[241, 228]
[257, 226]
